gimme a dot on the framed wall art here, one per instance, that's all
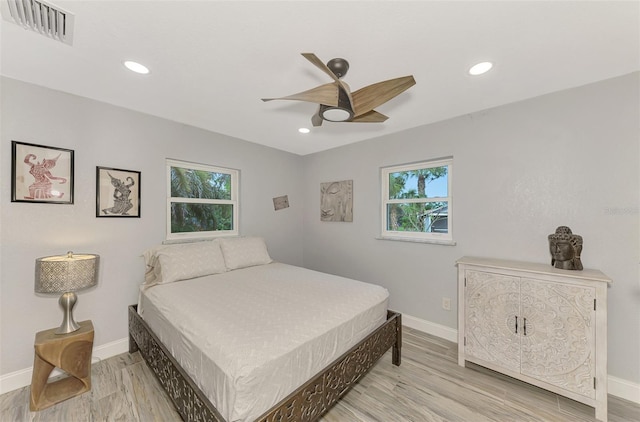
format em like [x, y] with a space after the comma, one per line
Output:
[281, 202]
[117, 192]
[336, 201]
[41, 174]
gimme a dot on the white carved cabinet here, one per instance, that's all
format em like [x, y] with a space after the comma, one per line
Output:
[536, 323]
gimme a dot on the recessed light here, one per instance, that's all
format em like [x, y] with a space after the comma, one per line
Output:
[136, 67]
[480, 68]
[303, 130]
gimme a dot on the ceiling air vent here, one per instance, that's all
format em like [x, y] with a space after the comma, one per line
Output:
[40, 16]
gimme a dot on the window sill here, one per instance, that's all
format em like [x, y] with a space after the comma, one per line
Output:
[412, 240]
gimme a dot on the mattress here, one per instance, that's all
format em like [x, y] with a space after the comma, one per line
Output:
[250, 337]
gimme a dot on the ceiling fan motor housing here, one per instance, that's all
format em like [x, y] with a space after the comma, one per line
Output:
[338, 66]
[343, 112]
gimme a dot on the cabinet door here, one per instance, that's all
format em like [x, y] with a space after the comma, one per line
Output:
[491, 307]
[560, 333]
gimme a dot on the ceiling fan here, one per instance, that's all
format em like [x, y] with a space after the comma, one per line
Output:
[339, 104]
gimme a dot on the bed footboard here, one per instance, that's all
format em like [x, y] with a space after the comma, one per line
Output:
[307, 403]
[316, 396]
[190, 401]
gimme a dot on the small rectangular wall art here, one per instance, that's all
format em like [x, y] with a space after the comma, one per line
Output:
[117, 192]
[41, 174]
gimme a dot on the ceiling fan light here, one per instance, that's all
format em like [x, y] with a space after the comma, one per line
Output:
[336, 114]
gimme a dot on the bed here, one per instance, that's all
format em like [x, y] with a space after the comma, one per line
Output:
[234, 337]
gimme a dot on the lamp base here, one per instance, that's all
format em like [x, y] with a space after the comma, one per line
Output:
[67, 301]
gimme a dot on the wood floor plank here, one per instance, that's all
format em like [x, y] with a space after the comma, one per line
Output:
[144, 390]
[429, 386]
[620, 410]
[106, 377]
[115, 407]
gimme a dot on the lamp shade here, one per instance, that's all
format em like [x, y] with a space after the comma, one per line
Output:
[66, 273]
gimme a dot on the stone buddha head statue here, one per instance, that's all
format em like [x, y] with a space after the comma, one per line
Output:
[565, 248]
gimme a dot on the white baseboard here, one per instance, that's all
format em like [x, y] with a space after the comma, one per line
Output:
[429, 327]
[22, 378]
[616, 386]
[624, 389]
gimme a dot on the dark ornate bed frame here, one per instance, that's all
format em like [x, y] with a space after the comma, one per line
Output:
[307, 403]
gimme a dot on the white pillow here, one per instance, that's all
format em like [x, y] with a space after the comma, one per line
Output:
[185, 261]
[241, 252]
[151, 261]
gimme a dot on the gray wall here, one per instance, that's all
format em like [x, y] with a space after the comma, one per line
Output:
[104, 135]
[568, 158]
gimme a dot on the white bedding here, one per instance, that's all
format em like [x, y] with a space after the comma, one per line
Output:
[249, 337]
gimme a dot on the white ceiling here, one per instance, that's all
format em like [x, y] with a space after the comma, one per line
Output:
[212, 61]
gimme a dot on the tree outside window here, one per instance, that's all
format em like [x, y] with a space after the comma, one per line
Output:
[202, 200]
[416, 201]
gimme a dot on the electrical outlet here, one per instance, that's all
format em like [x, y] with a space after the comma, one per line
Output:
[446, 303]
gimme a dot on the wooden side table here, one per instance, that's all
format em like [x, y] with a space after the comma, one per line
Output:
[69, 352]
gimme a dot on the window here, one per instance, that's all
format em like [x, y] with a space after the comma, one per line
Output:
[416, 201]
[202, 200]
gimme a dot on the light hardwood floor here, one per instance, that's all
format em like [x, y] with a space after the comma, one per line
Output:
[428, 386]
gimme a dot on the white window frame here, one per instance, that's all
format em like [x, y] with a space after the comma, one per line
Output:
[426, 237]
[234, 201]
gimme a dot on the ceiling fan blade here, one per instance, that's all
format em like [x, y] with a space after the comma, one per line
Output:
[371, 116]
[320, 65]
[370, 97]
[316, 119]
[323, 94]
